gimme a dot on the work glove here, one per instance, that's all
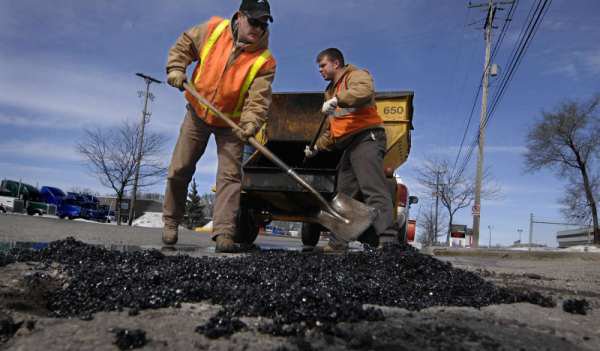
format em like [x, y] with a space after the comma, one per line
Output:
[245, 131]
[329, 106]
[176, 79]
[310, 152]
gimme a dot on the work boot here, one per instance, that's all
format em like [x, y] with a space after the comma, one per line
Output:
[334, 245]
[170, 232]
[369, 237]
[225, 244]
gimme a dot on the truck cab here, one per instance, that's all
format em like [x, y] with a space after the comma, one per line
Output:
[70, 208]
[31, 198]
[52, 195]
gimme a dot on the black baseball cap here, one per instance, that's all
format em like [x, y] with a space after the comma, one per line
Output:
[256, 9]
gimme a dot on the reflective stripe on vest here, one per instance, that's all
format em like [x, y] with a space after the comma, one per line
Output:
[352, 119]
[256, 66]
[212, 39]
[339, 112]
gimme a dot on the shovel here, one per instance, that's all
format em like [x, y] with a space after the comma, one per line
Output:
[345, 217]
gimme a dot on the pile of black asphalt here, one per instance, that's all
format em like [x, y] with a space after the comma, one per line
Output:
[294, 291]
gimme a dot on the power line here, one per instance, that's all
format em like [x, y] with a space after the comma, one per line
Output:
[501, 91]
[498, 44]
[534, 19]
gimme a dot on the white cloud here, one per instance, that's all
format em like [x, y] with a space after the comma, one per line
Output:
[592, 62]
[42, 150]
[69, 95]
[577, 63]
[568, 69]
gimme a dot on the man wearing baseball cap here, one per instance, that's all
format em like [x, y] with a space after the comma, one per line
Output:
[234, 71]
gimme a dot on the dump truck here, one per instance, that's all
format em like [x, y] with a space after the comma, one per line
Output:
[294, 119]
[28, 194]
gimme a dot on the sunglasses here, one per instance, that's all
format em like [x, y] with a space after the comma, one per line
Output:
[256, 23]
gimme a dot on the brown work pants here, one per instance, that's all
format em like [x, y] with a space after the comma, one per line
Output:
[361, 172]
[193, 138]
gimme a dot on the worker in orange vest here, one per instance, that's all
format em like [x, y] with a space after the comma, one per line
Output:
[234, 71]
[355, 127]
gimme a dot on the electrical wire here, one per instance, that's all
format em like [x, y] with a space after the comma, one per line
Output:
[495, 50]
[534, 19]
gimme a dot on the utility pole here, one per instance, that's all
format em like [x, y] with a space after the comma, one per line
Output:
[148, 80]
[490, 242]
[530, 230]
[488, 47]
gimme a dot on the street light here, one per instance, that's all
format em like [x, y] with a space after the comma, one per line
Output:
[490, 229]
[520, 231]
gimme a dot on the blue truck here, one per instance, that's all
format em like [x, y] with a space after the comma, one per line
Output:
[66, 206]
[91, 208]
[74, 205]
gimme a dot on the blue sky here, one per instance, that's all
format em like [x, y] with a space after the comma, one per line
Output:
[68, 65]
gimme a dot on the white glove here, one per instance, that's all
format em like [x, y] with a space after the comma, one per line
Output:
[310, 153]
[329, 106]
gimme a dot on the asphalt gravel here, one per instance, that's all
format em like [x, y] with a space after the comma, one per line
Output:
[129, 339]
[576, 306]
[294, 291]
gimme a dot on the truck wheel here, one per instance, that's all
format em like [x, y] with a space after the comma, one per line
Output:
[247, 226]
[311, 233]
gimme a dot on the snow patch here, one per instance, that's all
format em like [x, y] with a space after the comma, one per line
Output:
[149, 220]
[582, 248]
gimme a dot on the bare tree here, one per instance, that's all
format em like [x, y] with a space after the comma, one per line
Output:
[83, 190]
[111, 155]
[568, 141]
[574, 201]
[455, 191]
[426, 222]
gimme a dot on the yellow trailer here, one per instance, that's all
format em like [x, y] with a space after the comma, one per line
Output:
[294, 120]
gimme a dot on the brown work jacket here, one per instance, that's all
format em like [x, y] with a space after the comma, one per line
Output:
[360, 93]
[187, 50]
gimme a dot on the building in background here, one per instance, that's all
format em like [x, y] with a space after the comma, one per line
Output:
[573, 237]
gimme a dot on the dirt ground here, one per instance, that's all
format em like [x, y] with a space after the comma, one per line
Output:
[25, 325]
[497, 327]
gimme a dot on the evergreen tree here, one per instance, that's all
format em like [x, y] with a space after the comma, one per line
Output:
[194, 208]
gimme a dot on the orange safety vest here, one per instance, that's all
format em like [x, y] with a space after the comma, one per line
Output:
[346, 121]
[225, 87]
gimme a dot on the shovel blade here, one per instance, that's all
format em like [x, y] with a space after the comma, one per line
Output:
[359, 217]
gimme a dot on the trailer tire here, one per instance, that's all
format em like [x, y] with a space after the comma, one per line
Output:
[311, 232]
[247, 226]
